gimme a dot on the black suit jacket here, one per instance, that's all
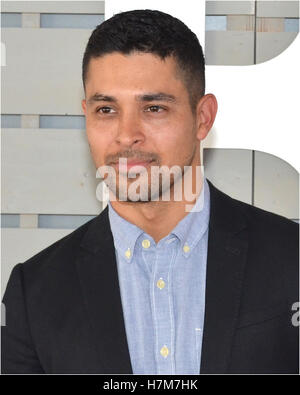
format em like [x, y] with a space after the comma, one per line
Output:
[64, 311]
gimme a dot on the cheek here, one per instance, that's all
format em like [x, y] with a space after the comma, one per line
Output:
[97, 134]
[177, 142]
[98, 145]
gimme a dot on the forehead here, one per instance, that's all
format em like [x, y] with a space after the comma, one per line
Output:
[138, 71]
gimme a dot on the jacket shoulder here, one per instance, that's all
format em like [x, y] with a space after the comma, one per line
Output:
[271, 237]
[272, 266]
[266, 219]
[256, 218]
[65, 249]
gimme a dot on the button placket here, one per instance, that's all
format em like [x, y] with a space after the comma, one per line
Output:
[164, 309]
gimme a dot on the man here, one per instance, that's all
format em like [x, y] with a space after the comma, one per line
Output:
[150, 286]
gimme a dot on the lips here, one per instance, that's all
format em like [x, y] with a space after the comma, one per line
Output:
[126, 165]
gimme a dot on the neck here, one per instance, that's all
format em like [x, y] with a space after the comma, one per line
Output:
[158, 218]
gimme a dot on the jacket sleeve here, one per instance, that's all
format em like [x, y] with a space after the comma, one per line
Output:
[18, 355]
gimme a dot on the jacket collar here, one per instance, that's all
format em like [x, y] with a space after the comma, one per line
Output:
[98, 277]
[227, 251]
[227, 254]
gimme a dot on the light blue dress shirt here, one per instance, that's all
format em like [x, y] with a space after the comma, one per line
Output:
[163, 291]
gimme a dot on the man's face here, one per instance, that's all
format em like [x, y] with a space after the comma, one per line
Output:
[137, 107]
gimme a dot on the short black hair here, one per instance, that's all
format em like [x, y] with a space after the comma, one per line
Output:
[151, 31]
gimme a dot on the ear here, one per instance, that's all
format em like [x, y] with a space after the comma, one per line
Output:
[83, 105]
[206, 113]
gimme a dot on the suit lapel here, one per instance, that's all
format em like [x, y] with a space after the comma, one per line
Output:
[98, 276]
[227, 252]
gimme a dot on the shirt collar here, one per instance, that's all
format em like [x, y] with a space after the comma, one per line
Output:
[189, 230]
[124, 233]
[193, 226]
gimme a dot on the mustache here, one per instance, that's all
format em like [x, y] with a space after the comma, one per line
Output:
[128, 154]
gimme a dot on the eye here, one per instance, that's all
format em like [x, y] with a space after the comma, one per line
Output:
[154, 109]
[105, 110]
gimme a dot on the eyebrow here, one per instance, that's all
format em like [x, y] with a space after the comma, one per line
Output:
[156, 97]
[146, 97]
[100, 97]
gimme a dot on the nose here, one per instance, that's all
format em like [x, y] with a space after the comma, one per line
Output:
[130, 132]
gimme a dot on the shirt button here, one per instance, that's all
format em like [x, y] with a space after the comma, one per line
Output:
[160, 283]
[186, 248]
[128, 253]
[146, 243]
[164, 351]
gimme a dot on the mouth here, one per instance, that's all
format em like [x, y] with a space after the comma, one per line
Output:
[125, 166]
